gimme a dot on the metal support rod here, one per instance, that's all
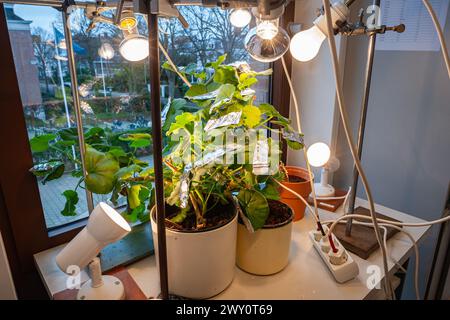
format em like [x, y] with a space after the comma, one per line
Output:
[60, 3]
[76, 101]
[155, 106]
[362, 121]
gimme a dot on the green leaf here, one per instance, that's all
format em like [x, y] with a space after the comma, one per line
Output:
[252, 116]
[196, 90]
[135, 136]
[270, 111]
[270, 191]
[180, 217]
[217, 63]
[117, 152]
[135, 213]
[41, 143]
[224, 95]
[101, 170]
[248, 82]
[127, 172]
[226, 74]
[56, 172]
[294, 145]
[181, 122]
[68, 134]
[138, 140]
[176, 108]
[71, 201]
[133, 196]
[255, 207]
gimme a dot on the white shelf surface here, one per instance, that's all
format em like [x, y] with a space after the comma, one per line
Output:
[305, 277]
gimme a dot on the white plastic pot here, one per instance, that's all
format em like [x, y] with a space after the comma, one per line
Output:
[265, 251]
[200, 264]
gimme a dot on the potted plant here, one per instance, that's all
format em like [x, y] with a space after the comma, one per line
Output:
[298, 180]
[204, 193]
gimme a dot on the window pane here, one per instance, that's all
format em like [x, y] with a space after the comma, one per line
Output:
[44, 84]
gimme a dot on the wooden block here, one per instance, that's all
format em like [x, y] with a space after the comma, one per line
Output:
[362, 240]
[132, 290]
[330, 205]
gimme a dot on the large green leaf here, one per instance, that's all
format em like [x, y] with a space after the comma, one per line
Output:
[255, 207]
[71, 201]
[41, 143]
[101, 170]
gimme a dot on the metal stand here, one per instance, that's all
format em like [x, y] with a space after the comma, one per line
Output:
[362, 241]
[362, 121]
[155, 106]
[76, 100]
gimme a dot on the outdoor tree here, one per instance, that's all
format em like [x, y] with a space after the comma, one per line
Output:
[44, 51]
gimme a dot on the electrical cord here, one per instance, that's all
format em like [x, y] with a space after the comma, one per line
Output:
[308, 166]
[440, 34]
[301, 198]
[299, 126]
[345, 122]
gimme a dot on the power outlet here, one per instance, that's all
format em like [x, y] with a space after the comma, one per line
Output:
[340, 263]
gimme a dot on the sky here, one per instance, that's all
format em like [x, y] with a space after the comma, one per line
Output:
[41, 16]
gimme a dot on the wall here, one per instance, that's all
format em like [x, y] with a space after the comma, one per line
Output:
[314, 86]
[407, 150]
[7, 291]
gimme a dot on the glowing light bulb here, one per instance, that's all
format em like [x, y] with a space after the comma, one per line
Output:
[267, 50]
[305, 45]
[318, 154]
[134, 48]
[267, 29]
[106, 51]
[240, 18]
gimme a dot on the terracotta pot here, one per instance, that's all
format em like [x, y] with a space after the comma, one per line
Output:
[265, 251]
[200, 264]
[302, 188]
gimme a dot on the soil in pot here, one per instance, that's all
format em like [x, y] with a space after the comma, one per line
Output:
[296, 179]
[218, 216]
[279, 213]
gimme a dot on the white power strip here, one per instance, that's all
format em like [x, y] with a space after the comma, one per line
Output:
[341, 264]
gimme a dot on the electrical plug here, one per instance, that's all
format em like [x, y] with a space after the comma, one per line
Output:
[338, 258]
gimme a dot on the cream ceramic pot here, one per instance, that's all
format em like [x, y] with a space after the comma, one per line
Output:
[200, 264]
[265, 251]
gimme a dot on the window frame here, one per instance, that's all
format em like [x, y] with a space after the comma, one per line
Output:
[22, 221]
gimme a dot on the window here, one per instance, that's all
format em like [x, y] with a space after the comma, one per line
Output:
[115, 98]
[114, 92]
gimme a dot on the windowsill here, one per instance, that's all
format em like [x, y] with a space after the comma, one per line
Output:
[305, 277]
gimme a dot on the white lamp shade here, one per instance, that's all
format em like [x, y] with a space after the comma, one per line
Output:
[105, 226]
[134, 48]
[318, 154]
